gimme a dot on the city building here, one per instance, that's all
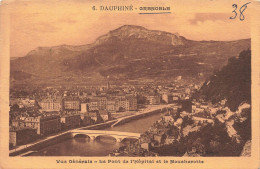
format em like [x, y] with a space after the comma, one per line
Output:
[167, 98]
[169, 140]
[153, 99]
[43, 124]
[131, 103]
[121, 104]
[159, 137]
[85, 119]
[22, 102]
[186, 106]
[175, 98]
[93, 116]
[51, 104]
[102, 103]
[105, 115]
[21, 135]
[111, 106]
[84, 107]
[177, 95]
[72, 103]
[70, 121]
[168, 118]
[93, 105]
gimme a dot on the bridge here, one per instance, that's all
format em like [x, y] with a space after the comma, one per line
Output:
[89, 131]
[93, 134]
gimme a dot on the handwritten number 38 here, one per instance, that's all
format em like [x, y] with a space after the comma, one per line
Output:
[241, 10]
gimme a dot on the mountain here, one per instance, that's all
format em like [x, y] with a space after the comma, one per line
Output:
[232, 82]
[128, 53]
[128, 32]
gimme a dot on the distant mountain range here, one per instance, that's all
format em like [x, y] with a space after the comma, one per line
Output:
[127, 53]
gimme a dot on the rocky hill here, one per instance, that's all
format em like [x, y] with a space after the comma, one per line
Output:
[129, 52]
[232, 82]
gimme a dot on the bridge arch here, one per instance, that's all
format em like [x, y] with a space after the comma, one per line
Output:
[80, 135]
[118, 136]
[130, 138]
[106, 136]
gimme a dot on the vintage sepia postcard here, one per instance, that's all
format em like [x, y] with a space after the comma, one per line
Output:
[129, 84]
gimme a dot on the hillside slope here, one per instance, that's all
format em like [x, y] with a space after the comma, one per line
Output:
[232, 82]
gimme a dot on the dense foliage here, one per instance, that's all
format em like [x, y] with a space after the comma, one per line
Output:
[232, 82]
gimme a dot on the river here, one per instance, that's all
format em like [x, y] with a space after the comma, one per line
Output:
[80, 146]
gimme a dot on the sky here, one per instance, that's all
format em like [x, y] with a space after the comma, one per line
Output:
[52, 23]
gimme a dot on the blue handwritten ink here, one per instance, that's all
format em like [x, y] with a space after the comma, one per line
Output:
[241, 10]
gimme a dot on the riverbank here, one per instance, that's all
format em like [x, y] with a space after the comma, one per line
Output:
[101, 146]
[67, 134]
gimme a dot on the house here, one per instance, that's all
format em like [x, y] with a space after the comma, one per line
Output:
[105, 115]
[159, 137]
[18, 123]
[169, 140]
[93, 116]
[167, 98]
[178, 122]
[168, 119]
[145, 146]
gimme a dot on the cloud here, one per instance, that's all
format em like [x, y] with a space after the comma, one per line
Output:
[74, 23]
[202, 17]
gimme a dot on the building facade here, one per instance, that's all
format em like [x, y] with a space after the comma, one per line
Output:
[20, 136]
[43, 124]
[51, 105]
[105, 115]
[72, 103]
[153, 99]
[70, 121]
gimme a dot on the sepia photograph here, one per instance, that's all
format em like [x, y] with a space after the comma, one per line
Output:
[113, 81]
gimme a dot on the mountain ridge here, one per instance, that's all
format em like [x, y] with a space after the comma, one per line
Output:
[130, 52]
